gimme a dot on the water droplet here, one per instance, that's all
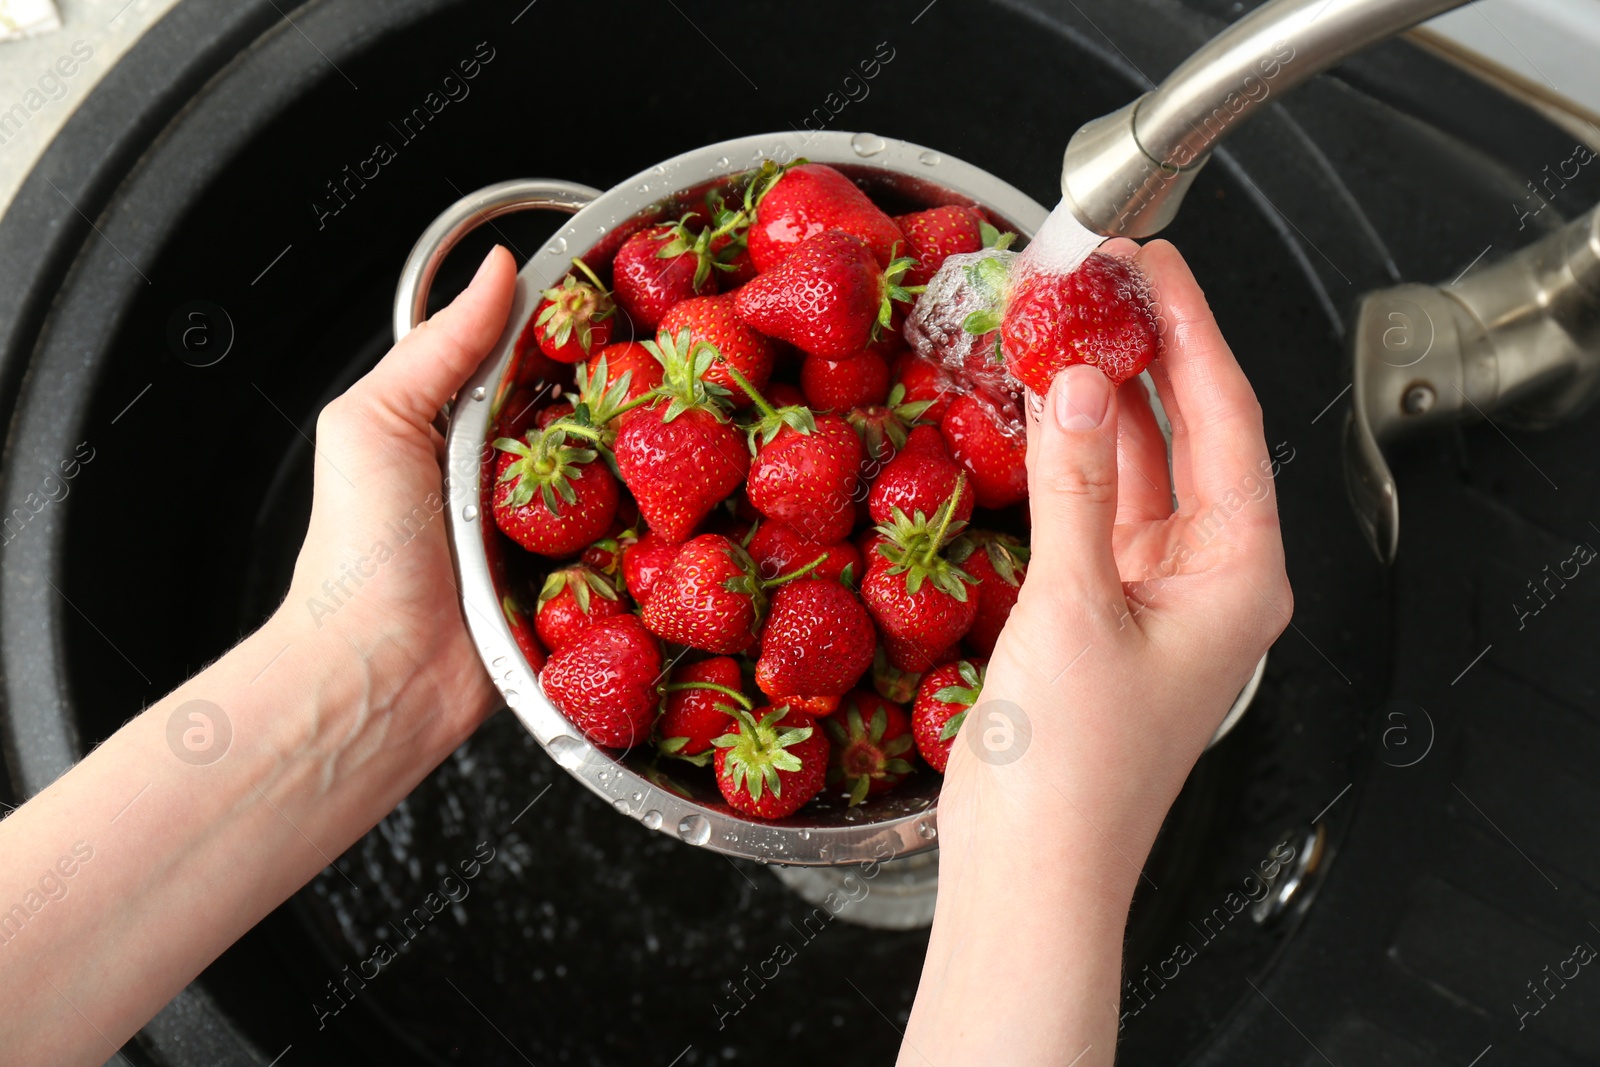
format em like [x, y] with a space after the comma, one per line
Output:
[695, 829]
[868, 144]
[470, 512]
[557, 246]
[511, 697]
[730, 836]
[637, 796]
[652, 819]
[661, 168]
[644, 187]
[568, 750]
[599, 229]
[605, 776]
[805, 835]
[723, 162]
[927, 830]
[479, 393]
[621, 805]
[930, 158]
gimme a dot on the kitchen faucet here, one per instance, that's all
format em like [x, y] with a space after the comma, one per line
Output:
[1520, 339]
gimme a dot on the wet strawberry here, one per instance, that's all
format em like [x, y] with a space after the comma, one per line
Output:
[693, 711]
[841, 384]
[1099, 314]
[643, 562]
[522, 631]
[992, 448]
[604, 681]
[883, 429]
[771, 762]
[552, 497]
[935, 234]
[778, 549]
[943, 698]
[795, 203]
[653, 271]
[919, 478]
[998, 563]
[571, 600]
[871, 738]
[576, 318]
[927, 382]
[827, 297]
[712, 319]
[921, 601]
[680, 456]
[817, 643]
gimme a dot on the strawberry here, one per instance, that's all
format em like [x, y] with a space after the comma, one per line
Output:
[552, 413]
[628, 358]
[817, 643]
[571, 600]
[643, 562]
[889, 681]
[827, 298]
[778, 549]
[919, 478]
[804, 470]
[927, 382]
[939, 232]
[574, 318]
[522, 631]
[784, 395]
[841, 384]
[604, 681]
[655, 269]
[870, 741]
[519, 411]
[992, 448]
[883, 428]
[680, 456]
[795, 203]
[707, 597]
[693, 711]
[943, 698]
[551, 497]
[713, 321]
[1099, 314]
[918, 598]
[771, 762]
[998, 563]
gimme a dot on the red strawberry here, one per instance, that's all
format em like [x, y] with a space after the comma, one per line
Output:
[680, 456]
[927, 382]
[1099, 314]
[551, 497]
[870, 741]
[771, 762]
[573, 599]
[644, 561]
[604, 681]
[784, 395]
[522, 631]
[691, 718]
[712, 320]
[826, 298]
[545, 416]
[817, 643]
[936, 233]
[919, 478]
[998, 563]
[918, 598]
[890, 682]
[630, 358]
[992, 448]
[574, 318]
[778, 549]
[802, 201]
[733, 259]
[654, 269]
[708, 597]
[883, 429]
[943, 698]
[841, 384]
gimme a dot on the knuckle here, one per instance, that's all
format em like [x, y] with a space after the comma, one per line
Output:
[1088, 485]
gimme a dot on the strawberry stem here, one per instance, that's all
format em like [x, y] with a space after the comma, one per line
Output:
[797, 573]
[946, 513]
[593, 277]
[677, 687]
[742, 382]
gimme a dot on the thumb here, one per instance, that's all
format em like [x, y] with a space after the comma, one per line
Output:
[1072, 487]
[431, 362]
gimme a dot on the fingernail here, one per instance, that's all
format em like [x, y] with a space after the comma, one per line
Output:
[1083, 395]
[484, 265]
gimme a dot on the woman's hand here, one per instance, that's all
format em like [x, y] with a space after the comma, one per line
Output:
[1135, 630]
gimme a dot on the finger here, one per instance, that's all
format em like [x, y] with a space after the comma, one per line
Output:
[430, 363]
[1072, 487]
[1144, 492]
[1210, 398]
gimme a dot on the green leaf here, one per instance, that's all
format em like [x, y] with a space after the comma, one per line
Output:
[859, 789]
[673, 745]
[981, 322]
[953, 727]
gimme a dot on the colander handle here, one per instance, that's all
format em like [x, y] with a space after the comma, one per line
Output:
[460, 219]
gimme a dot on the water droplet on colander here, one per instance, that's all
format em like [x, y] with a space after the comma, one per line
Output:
[930, 158]
[695, 829]
[652, 819]
[567, 750]
[479, 393]
[621, 805]
[470, 512]
[805, 835]
[599, 229]
[637, 796]
[661, 168]
[644, 187]
[511, 697]
[605, 776]
[557, 246]
[723, 162]
[868, 144]
[730, 836]
[927, 830]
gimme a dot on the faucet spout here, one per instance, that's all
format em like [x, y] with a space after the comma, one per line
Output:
[1125, 174]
